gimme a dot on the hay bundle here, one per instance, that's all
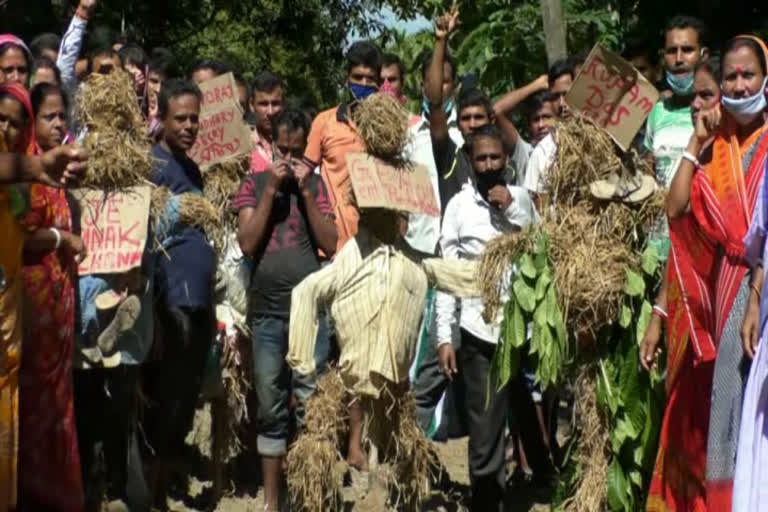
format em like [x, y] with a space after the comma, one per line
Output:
[220, 183]
[494, 265]
[382, 122]
[116, 139]
[194, 211]
[314, 466]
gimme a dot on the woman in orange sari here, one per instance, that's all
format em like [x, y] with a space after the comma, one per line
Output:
[710, 204]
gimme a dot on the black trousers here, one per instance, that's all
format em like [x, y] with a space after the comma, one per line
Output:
[486, 425]
[176, 379]
[105, 410]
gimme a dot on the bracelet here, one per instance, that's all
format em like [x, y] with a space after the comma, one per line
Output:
[659, 312]
[756, 290]
[58, 237]
[691, 158]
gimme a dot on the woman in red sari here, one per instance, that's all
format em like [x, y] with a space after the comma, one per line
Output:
[710, 205]
[49, 464]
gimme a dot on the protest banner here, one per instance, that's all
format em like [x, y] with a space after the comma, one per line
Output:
[113, 228]
[379, 185]
[610, 91]
[222, 134]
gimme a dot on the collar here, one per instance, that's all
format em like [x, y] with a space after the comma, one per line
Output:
[342, 113]
[423, 123]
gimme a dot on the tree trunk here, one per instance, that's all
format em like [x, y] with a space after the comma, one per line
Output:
[554, 30]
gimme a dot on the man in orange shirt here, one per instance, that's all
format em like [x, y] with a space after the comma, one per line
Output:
[333, 135]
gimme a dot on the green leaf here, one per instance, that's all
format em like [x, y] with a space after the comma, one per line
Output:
[527, 267]
[636, 478]
[525, 294]
[518, 327]
[542, 283]
[625, 317]
[554, 316]
[646, 310]
[650, 261]
[617, 487]
[610, 392]
[540, 315]
[635, 284]
[629, 378]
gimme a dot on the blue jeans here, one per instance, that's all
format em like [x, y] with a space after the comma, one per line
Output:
[274, 381]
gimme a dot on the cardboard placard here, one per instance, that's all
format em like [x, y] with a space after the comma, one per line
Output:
[610, 91]
[113, 228]
[223, 134]
[379, 185]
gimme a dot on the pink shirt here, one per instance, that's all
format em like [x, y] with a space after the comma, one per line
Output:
[261, 156]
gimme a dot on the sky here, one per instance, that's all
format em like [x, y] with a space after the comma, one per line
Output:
[410, 26]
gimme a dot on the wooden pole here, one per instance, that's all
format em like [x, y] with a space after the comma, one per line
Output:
[554, 30]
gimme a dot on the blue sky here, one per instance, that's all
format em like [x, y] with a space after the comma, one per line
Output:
[410, 26]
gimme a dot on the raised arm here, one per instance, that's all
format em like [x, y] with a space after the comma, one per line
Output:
[254, 209]
[433, 85]
[71, 44]
[507, 103]
[55, 168]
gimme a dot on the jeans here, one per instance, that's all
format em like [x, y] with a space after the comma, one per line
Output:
[274, 381]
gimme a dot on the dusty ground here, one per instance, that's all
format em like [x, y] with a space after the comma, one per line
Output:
[244, 493]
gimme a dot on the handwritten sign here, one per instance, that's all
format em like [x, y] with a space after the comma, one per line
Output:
[379, 185]
[113, 228]
[223, 133]
[610, 91]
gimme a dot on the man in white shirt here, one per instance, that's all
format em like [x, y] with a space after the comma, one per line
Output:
[473, 217]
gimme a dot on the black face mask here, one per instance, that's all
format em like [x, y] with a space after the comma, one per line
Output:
[489, 179]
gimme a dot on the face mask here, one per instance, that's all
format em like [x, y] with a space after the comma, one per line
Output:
[680, 85]
[360, 92]
[489, 179]
[746, 110]
[447, 106]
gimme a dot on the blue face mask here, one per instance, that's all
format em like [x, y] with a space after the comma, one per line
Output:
[746, 110]
[360, 92]
[680, 85]
[447, 106]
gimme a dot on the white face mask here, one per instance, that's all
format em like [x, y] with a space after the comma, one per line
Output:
[746, 110]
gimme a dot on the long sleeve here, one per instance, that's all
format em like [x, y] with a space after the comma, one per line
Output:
[317, 288]
[446, 305]
[69, 51]
[452, 277]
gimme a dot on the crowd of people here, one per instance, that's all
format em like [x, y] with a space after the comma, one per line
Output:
[75, 349]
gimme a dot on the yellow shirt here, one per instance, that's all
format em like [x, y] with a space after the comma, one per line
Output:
[376, 295]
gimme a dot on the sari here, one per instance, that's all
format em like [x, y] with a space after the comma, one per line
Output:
[750, 483]
[709, 267]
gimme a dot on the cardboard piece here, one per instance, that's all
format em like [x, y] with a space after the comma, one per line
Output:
[223, 134]
[610, 91]
[379, 185]
[114, 229]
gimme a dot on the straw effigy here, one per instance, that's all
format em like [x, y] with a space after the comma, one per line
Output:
[382, 123]
[220, 183]
[118, 146]
[194, 210]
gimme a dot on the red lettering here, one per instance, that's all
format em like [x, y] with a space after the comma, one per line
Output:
[113, 212]
[593, 66]
[645, 105]
[110, 238]
[620, 112]
[124, 237]
[596, 98]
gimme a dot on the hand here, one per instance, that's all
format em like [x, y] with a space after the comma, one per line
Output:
[541, 83]
[707, 124]
[749, 329]
[446, 358]
[499, 197]
[62, 166]
[75, 245]
[303, 174]
[446, 24]
[278, 173]
[649, 348]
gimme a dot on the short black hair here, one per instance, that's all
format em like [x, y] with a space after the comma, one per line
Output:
[744, 42]
[426, 61]
[101, 36]
[46, 63]
[240, 81]
[474, 97]
[390, 59]
[162, 61]
[305, 103]
[293, 119]
[100, 51]
[266, 81]
[364, 53]
[217, 66]
[174, 88]
[43, 42]
[683, 22]
[560, 68]
[535, 101]
[637, 46]
[486, 131]
[133, 54]
[711, 66]
[41, 91]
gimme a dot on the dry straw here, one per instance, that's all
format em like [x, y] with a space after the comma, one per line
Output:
[194, 211]
[221, 182]
[382, 122]
[116, 138]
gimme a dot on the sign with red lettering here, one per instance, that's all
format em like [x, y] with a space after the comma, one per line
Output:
[223, 134]
[114, 229]
[611, 92]
[379, 185]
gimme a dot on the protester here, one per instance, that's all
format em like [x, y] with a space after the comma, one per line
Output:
[44, 71]
[392, 76]
[711, 237]
[243, 93]
[135, 63]
[484, 212]
[207, 69]
[161, 67]
[45, 45]
[284, 218]
[561, 76]
[103, 60]
[15, 59]
[639, 53]
[683, 438]
[72, 43]
[266, 104]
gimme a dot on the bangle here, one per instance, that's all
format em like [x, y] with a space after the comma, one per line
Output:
[755, 289]
[688, 156]
[659, 312]
[58, 237]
